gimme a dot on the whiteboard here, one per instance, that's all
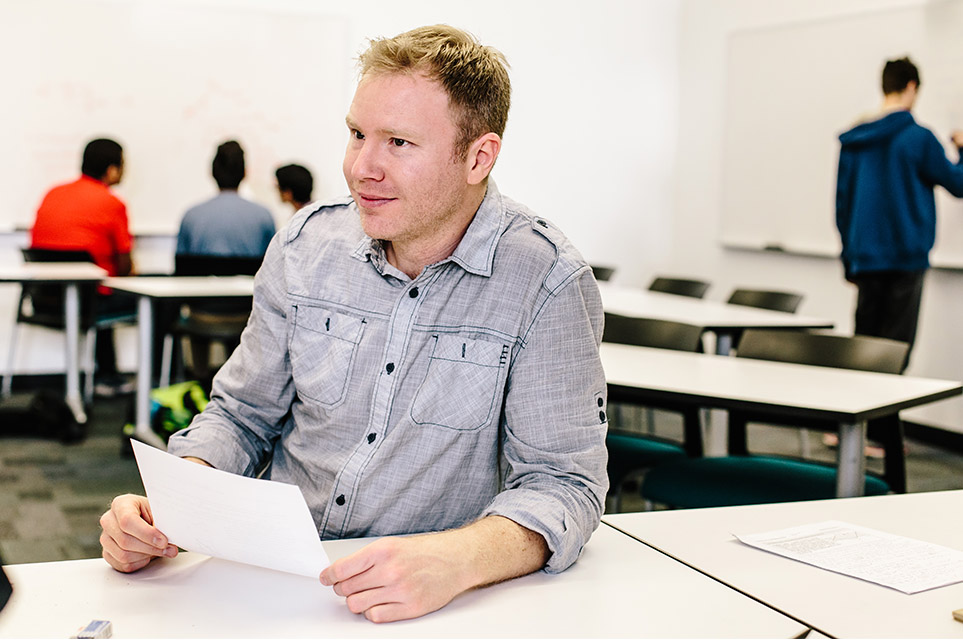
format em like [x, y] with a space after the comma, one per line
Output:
[169, 81]
[792, 89]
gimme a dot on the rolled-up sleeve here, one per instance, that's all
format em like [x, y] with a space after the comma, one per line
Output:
[555, 423]
[252, 393]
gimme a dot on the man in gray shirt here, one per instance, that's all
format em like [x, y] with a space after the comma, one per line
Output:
[421, 358]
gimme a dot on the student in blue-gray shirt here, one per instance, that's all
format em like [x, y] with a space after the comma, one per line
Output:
[885, 209]
[227, 224]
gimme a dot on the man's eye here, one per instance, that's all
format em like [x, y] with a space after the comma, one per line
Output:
[398, 142]
[357, 135]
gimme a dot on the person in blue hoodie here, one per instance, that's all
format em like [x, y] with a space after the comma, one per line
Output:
[885, 208]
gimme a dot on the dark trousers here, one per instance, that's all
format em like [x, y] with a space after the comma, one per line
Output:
[888, 305]
[115, 304]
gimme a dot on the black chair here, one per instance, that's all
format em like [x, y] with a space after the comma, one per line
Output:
[42, 304]
[746, 478]
[680, 286]
[205, 321]
[601, 273]
[784, 301]
[631, 451]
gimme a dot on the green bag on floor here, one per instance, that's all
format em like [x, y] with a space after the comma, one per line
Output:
[172, 408]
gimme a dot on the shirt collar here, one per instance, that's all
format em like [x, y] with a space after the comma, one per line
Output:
[476, 251]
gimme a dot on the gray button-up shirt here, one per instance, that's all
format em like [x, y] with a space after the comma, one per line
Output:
[403, 406]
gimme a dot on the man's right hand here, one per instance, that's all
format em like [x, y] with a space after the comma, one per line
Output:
[129, 539]
[957, 137]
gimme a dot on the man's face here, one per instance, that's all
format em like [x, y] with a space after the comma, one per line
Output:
[399, 163]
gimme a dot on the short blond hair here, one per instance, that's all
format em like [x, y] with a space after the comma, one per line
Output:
[474, 76]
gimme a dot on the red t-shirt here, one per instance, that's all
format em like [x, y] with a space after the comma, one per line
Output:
[83, 215]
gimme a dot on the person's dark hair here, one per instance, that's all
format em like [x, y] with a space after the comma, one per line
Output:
[99, 155]
[228, 165]
[297, 180]
[897, 74]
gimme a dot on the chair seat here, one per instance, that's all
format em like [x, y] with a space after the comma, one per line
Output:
[738, 480]
[628, 452]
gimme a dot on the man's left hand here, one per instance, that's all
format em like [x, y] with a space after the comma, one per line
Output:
[399, 578]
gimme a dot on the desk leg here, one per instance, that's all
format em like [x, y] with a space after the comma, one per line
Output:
[716, 421]
[851, 464]
[145, 325]
[723, 343]
[72, 327]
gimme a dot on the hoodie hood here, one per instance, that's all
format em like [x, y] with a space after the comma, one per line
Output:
[877, 131]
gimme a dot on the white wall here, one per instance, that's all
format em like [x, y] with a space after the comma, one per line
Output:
[590, 141]
[696, 230]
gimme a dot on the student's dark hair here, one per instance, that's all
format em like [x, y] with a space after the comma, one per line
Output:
[297, 180]
[897, 74]
[100, 154]
[228, 165]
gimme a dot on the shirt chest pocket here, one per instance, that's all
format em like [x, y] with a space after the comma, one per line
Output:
[323, 347]
[461, 386]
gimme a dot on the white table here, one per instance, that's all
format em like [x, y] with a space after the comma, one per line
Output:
[833, 604]
[150, 288]
[617, 589]
[71, 275]
[724, 320]
[778, 388]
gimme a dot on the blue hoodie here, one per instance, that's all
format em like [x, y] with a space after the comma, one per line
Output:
[885, 209]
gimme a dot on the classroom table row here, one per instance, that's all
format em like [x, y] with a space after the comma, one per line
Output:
[661, 574]
[848, 397]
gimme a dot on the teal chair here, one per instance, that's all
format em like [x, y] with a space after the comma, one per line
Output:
[631, 451]
[744, 478]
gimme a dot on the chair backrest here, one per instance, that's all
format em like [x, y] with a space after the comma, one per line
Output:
[43, 303]
[680, 286]
[602, 273]
[55, 255]
[774, 300]
[864, 353]
[649, 332]
[200, 265]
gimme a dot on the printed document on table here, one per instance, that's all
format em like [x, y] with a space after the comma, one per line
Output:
[228, 516]
[893, 561]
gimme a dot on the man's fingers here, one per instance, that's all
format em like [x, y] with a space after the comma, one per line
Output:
[347, 567]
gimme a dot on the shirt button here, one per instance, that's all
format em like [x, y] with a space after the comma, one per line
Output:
[600, 402]
[371, 438]
[390, 367]
[542, 223]
[413, 293]
[601, 416]
[340, 500]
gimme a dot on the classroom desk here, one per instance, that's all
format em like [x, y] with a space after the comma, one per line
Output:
[778, 388]
[723, 320]
[617, 589]
[833, 604]
[71, 275]
[150, 288]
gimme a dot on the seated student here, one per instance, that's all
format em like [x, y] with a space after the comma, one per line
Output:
[422, 357]
[226, 225]
[85, 215]
[294, 185]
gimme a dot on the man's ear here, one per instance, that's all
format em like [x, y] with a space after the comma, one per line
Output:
[481, 157]
[112, 175]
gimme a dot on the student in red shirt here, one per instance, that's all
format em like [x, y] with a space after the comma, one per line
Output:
[85, 215]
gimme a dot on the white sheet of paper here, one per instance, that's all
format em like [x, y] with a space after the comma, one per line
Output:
[228, 516]
[904, 564]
